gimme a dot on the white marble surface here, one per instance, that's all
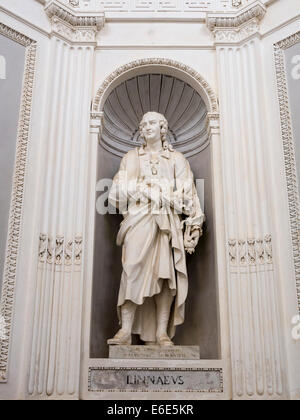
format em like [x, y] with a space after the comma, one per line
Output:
[190, 42]
[154, 352]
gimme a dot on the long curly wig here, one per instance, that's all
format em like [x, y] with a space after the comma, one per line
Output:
[163, 128]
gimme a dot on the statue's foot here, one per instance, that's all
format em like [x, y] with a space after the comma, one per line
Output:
[150, 343]
[121, 338]
[164, 340]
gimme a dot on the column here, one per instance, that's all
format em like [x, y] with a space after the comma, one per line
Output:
[255, 330]
[56, 345]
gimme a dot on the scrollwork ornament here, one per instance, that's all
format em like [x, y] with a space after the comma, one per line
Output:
[268, 248]
[61, 29]
[251, 251]
[43, 247]
[236, 3]
[260, 252]
[69, 253]
[242, 251]
[226, 35]
[232, 251]
[78, 250]
[236, 34]
[59, 250]
[84, 35]
[50, 250]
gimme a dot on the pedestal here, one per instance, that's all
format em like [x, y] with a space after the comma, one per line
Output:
[155, 352]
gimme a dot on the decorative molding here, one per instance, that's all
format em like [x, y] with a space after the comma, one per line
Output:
[60, 251]
[212, 98]
[74, 3]
[14, 224]
[15, 36]
[250, 252]
[233, 28]
[289, 151]
[82, 35]
[235, 20]
[78, 250]
[72, 17]
[237, 35]
[236, 3]
[162, 6]
[74, 26]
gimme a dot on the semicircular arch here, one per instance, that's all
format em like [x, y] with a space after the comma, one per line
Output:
[156, 65]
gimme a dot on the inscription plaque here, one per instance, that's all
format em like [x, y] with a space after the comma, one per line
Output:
[155, 379]
[155, 352]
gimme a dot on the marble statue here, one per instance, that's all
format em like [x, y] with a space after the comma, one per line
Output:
[155, 191]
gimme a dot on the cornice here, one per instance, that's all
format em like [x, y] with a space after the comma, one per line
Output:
[237, 18]
[238, 25]
[73, 25]
[73, 17]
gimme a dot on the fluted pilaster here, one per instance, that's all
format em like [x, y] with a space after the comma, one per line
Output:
[55, 356]
[255, 328]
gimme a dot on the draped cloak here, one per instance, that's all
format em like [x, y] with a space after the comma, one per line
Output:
[152, 234]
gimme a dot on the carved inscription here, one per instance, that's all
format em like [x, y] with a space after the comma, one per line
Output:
[155, 379]
[154, 352]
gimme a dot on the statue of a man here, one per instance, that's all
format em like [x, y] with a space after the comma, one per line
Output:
[153, 189]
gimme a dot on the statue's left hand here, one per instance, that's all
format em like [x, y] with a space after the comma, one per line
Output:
[191, 240]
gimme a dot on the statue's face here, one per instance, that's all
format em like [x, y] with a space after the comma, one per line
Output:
[150, 127]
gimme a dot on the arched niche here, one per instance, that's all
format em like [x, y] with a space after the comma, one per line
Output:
[156, 65]
[122, 100]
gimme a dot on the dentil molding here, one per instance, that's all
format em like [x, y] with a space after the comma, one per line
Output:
[234, 27]
[72, 25]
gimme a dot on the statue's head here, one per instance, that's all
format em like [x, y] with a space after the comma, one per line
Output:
[152, 125]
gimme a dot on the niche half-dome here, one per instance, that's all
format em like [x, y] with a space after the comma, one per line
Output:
[180, 103]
